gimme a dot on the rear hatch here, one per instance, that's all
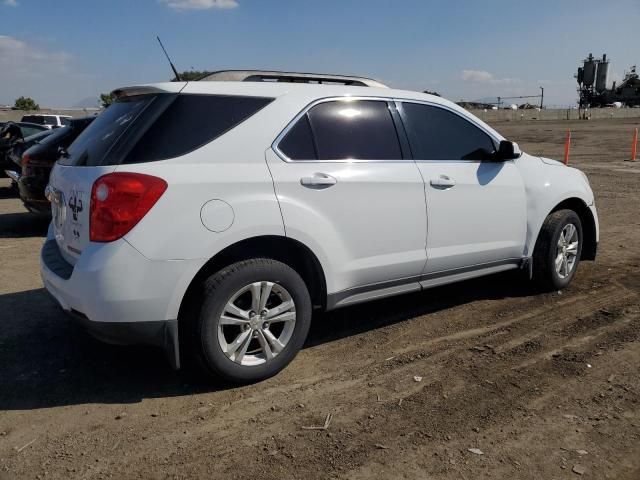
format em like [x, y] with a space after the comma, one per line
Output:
[97, 151]
[145, 124]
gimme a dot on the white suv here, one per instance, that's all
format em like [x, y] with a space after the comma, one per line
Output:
[48, 121]
[210, 218]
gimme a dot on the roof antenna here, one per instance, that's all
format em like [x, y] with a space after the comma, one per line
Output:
[175, 72]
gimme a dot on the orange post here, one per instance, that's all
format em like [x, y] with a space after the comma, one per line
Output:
[567, 147]
[634, 145]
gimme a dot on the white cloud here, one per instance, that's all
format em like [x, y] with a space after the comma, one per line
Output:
[11, 3]
[482, 76]
[19, 58]
[199, 4]
[476, 76]
[26, 69]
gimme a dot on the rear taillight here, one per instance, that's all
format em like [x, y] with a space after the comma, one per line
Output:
[119, 201]
[25, 159]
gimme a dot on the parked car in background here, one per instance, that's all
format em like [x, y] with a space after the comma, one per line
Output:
[210, 218]
[48, 121]
[10, 133]
[14, 154]
[35, 163]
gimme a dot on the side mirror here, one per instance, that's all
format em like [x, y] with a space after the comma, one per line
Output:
[508, 151]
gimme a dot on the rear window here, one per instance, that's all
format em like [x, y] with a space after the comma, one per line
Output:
[157, 127]
[92, 145]
[33, 119]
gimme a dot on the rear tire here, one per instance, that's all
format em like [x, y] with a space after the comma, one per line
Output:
[558, 249]
[254, 319]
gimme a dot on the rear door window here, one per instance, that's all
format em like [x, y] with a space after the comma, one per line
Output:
[438, 134]
[298, 143]
[360, 129]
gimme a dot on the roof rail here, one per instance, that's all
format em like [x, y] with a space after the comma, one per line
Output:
[291, 77]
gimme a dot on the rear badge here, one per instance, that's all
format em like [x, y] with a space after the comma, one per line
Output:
[76, 204]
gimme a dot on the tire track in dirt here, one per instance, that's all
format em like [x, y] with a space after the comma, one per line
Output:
[469, 379]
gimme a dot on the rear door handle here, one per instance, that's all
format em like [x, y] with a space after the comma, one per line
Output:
[442, 182]
[321, 180]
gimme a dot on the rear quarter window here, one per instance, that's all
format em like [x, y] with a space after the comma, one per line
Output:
[190, 122]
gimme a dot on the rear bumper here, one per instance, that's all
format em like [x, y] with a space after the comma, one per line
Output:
[117, 294]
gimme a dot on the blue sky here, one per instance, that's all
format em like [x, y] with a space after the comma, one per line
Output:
[65, 51]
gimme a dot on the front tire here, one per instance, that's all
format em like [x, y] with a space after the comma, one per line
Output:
[558, 249]
[254, 319]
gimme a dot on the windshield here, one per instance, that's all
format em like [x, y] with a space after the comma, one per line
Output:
[94, 143]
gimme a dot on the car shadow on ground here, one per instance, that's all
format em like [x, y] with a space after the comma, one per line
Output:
[23, 225]
[46, 360]
[8, 192]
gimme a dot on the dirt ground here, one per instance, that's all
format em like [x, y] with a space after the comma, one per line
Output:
[544, 385]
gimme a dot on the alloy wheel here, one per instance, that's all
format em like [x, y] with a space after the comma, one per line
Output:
[257, 323]
[567, 250]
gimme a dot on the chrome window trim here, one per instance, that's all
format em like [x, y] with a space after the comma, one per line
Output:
[285, 158]
[398, 104]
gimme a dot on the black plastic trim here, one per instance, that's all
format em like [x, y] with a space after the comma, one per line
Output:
[334, 299]
[54, 260]
[161, 333]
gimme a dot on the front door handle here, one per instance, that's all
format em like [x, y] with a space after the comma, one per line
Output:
[318, 180]
[443, 182]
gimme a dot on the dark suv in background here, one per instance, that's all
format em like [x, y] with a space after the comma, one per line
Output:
[38, 160]
[10, 134]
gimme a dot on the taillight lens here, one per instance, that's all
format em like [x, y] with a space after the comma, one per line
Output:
[25, 159]
[119, 201]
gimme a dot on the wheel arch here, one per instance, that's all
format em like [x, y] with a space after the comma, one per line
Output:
[287, 250]
[589, 240]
